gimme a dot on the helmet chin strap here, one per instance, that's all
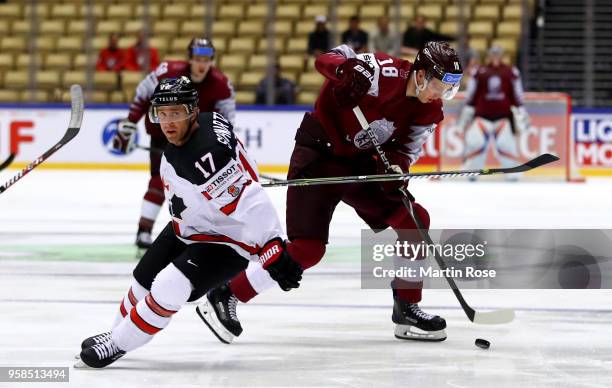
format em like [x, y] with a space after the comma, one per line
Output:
[419, 89]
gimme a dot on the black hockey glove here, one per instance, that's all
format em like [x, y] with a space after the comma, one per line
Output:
[275, 259]
[355, 78]
[124, 140]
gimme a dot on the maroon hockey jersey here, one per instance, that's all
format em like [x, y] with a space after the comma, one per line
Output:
[215, 92]
[401, 123]
[492, 90]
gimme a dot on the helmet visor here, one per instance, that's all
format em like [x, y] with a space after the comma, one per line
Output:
[169, 113]
[203, 51]
[451, 82]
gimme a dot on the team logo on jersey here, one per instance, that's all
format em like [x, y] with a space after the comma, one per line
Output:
[383, 129]
[233, 191]
[177, 206]
[494, 88]
[108, 132]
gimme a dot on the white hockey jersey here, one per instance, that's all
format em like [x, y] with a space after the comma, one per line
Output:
[213, 192]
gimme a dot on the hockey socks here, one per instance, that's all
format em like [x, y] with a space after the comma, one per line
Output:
[134, 294]
[170, 290]
[146, 317]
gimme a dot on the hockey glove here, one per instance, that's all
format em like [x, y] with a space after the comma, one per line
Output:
[521, 118]
[399, 164]
[355, 78]
[124, 140]
[275, 259]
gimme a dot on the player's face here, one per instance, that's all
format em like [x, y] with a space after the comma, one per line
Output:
[434, 91]
[200, 65]
[175, 123]
[494, 60]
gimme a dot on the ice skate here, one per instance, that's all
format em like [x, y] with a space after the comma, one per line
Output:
[91, 341]
[96, 339]
[412, 323]
[143, 239]
[218, 311]
[101, 354]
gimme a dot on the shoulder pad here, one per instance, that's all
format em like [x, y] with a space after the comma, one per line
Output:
[168, 69]
[217, 74]
[344, 50]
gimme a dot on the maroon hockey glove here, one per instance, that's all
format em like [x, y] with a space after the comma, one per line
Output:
[355, 80]
[124, 140]
[399, 164]
[275, 259]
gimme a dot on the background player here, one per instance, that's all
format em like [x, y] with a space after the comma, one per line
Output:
[494, 97]
[402, 103]
[221, 218]
[216, 94]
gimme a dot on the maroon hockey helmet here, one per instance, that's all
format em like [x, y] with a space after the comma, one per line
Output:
[439, 60]
[201, 46]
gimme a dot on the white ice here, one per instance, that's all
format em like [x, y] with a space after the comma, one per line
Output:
[330, 332]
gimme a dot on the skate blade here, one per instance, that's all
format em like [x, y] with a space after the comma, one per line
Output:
[81, 365]
[409, 332]
[207, 313]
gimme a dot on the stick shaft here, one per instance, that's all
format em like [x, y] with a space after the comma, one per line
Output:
[534, 163]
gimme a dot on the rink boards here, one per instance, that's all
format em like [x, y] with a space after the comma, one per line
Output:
[268, 133]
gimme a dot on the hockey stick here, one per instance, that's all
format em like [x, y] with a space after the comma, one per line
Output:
[7, 162]
[530, 165]
[151, 149]
[270, 178]
[76, 118]
[490, 317]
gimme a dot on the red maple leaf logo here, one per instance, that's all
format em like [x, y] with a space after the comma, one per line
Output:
[233, 191]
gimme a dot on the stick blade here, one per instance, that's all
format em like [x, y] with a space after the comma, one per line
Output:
[76, 110]
[497, 317]
[542, 160]
[530, 165]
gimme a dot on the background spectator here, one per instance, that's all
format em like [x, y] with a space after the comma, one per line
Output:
[285, 89]
[111, 58]
[319, 39]
[382, 39]
[418, 34]
[136, 56]
[355, 36]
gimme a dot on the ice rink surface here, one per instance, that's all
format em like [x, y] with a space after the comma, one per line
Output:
[66, 259]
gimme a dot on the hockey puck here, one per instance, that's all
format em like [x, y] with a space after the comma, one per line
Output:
[482, 343]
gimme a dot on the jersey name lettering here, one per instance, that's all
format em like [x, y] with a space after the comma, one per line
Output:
[222, 129]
